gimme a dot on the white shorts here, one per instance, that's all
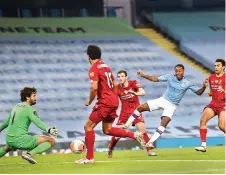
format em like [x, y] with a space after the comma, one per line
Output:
[162, 103]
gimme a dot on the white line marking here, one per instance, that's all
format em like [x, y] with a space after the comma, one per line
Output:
[191, 171]
[116, 161]
[108, 161]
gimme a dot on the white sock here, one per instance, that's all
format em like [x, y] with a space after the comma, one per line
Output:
[135, 115]
[204, 144]
[130, 121]
[157, 134]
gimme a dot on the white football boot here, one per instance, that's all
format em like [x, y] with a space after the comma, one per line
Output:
[201, 148]
[85, 161]
[29, 158]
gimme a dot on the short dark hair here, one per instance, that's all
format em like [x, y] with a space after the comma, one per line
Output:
[179, 65]
[94, 52]
[122, 71]
[26, 92]
[222, 61]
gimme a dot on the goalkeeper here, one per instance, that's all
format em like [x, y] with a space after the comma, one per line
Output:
[18, 123]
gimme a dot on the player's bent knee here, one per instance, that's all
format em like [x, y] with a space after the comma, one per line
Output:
[106, 131]
[87, 128]
[52, 141]
[222, 127]
[139, 108]
[6, 148]
[143, 107]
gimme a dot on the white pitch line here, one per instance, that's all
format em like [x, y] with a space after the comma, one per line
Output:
[116, 161]
[108, 161]
[191, 171]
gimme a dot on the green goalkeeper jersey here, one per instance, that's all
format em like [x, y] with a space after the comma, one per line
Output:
[20, 119]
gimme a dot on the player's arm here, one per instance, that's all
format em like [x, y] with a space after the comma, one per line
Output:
[36, 120]
[93, 92]
[140, 92]
[94, 78]
[33, 116]
[5, 124]
[148, 77]
[220, 89]
[209, 93]
[201, 90]
[115, 86]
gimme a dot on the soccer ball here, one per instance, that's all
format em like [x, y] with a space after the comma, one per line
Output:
[77, 146]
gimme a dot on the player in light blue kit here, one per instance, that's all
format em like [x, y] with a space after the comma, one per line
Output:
[176, 89]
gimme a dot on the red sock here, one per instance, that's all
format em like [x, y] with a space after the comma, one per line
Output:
[89, 140]
[146, 139]
[118, 132]
[203, 133]
[112, 143]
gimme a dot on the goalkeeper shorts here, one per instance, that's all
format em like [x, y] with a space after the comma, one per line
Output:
[22, 142]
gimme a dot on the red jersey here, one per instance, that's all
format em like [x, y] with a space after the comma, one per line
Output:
[218, 98]
[105, 94]
[128, 100]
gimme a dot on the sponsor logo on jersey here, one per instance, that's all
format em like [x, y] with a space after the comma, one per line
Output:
[91, 74]
[35, 113]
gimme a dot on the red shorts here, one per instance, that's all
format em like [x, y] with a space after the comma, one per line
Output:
[123, 119]
[217, 110]
[104, 114]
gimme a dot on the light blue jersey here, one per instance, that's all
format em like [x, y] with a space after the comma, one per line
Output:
[176, 89]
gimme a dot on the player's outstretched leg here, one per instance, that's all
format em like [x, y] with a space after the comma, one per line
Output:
[164, 122]
[43, 144]
[119, 132]
[136, 114]
[111, 146]
[208, 113]
[4, 150]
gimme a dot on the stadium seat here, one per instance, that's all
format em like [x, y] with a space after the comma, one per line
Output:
[26, 13]
[55, 13]
[111, 12]
[120, 54]
[1, 14]
[83, 12]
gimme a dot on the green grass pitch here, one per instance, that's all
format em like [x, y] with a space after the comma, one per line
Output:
[173, 161]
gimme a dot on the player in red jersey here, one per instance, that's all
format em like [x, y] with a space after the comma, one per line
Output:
[103, 86]
[217, 105]
[128, 92]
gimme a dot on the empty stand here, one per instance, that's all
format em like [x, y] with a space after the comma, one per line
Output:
[201, 34]
[59, 72]
[58, 68]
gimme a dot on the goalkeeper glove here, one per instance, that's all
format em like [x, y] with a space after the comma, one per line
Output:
[53, 131]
